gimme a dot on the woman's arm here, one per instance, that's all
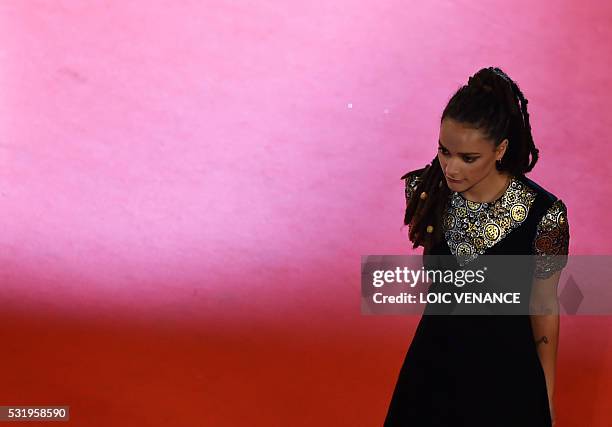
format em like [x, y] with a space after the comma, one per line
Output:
[545, 325]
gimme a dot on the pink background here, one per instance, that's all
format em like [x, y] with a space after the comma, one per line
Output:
[188, 187]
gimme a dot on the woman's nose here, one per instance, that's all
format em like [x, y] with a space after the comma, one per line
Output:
[451, 169]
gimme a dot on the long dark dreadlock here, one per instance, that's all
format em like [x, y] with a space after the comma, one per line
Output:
[489, 102]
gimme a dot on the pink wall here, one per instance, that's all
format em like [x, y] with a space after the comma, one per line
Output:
[187, 189]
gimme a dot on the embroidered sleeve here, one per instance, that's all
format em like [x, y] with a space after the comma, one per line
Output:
[411, 180]
[551, 243]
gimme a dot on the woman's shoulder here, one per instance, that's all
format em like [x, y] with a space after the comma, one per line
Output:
[552, 234]
[538, 189]
[414, 174]
[412, 179]
[553, 205]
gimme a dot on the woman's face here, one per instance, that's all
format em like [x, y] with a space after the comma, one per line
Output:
[466, 155]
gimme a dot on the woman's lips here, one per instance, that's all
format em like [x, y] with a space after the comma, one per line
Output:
[455, 181]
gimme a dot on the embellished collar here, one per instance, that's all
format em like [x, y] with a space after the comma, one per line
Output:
[471, 228]
[484, 205]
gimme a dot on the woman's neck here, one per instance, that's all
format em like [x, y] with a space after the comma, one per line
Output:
[488, 189]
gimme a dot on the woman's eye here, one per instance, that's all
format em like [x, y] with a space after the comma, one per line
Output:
[469, 159]
[442, 150]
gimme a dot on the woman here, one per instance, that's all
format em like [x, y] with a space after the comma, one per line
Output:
[473, 200]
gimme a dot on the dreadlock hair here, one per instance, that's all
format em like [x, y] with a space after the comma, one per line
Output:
[493, 103]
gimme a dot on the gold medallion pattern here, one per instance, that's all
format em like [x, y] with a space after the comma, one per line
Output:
[472, 205]
[518, 212]
[464, 249]
[492, 231]
[470, 228]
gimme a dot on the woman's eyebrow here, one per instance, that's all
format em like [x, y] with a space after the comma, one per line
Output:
[448, 149]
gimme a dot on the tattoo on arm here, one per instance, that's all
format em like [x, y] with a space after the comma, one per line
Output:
[544, 339]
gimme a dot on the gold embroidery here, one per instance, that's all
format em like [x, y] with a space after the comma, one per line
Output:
[505, 222]
[472, 205]
[464, 249]
[449, 221]
[492, 231]
[551, 243]
[518, 212]
[471, 228]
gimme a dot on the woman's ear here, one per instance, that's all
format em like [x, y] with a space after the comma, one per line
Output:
[501, 149]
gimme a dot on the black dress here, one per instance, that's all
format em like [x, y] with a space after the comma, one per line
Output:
[475, 370]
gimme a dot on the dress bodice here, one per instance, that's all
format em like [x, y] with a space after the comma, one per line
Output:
[526, 219]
